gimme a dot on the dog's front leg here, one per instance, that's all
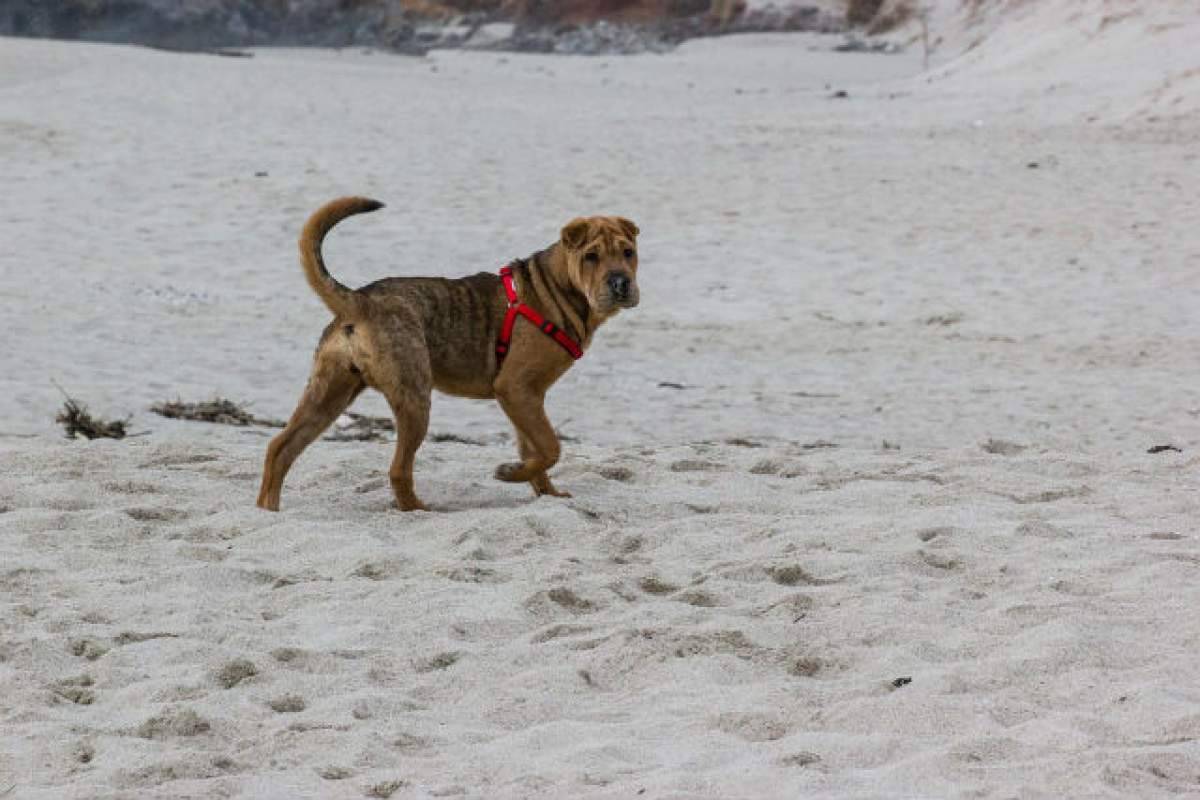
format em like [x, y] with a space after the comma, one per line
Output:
[538, 443]
[541, 482]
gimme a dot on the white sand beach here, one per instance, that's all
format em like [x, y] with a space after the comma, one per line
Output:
[863, 503]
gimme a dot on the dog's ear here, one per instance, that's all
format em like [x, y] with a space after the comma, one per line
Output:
[627, 226]
[574, 233]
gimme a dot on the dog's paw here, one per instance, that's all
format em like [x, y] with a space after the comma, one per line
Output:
[510, 472]
[552, 492]
[410, 504]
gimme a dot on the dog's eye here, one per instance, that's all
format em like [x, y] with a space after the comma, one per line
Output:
[591, 258]
[628, 253]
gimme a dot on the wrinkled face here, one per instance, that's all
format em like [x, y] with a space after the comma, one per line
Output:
[602, 261]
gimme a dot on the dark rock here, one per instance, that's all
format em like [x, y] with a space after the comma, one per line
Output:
[579, 28]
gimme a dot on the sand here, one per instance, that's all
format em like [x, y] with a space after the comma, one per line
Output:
[862, 499]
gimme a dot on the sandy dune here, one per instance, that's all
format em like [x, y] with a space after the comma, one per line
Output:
[897, 535]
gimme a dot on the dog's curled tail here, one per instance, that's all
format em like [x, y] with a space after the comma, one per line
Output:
[340, 299]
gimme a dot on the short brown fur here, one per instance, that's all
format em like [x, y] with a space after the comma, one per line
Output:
[406, 337]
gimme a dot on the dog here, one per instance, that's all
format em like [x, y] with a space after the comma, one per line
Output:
[505, 336]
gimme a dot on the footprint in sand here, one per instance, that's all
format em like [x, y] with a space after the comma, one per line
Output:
[929, 534]
[372, 485]
[545, 603]
[558, 632]
[156, 514]
[173, 723]
[132, 487]
[656, 586]
[1049, 496]
[1043, 530]
[69, 504]
[698, 598]
[784, 469]
[727, 642]
[385, 789]
[86, 648]
[696, 465]
[287, 704]
[473, 575]
[208, 555]
[1000, 447]
[938, 560]
[625, 548]
[795, 607]
[615, 473]
[1078, 588]
[410, 742]
[76, 690]
[766, 466]
[801, 759]
[133, 637]
[380, 570]
[566, 598]
[179, 460]
[277, 581]
[805, 667]
[83, 752]
[21, 578]
[796, 575]
[309, 661]
[192, 768]
[235, 672]
[437, 662]
[750, 726]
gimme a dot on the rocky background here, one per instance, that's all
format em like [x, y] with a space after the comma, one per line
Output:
[415, 26]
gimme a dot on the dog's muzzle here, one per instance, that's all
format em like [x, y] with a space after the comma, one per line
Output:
[622, 290]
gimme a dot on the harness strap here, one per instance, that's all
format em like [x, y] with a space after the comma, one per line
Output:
[515, 307]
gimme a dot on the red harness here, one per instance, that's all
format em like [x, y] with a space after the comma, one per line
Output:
[515, 307]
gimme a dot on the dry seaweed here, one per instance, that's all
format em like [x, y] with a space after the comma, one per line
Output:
[218, 411]
[363, 429]
[456, 439]
[78, 422]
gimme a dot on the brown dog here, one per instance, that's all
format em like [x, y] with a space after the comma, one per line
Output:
[408, 336]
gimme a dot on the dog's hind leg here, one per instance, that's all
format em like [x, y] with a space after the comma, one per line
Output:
[332, 387]
[407, 383]
[412, 421]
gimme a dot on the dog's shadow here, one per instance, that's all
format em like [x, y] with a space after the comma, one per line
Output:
[460, 505]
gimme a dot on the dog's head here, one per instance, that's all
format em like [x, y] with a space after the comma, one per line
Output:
[602, 261]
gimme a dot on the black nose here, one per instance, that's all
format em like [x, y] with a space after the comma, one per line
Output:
[619, 286]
